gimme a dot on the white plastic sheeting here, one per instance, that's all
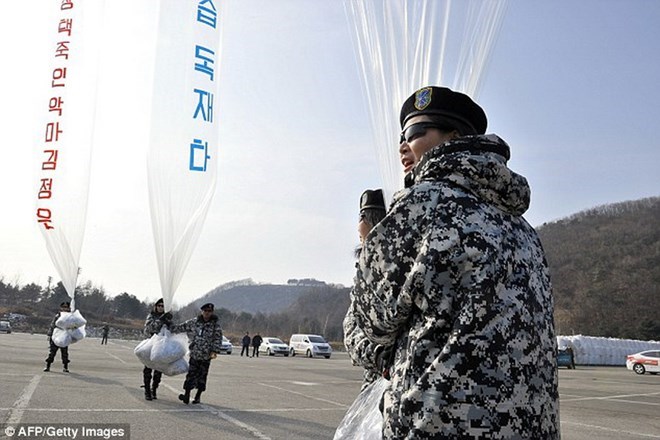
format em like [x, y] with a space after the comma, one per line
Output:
[64, 142]
[183, 151]
[363, 420]
[404, 45]
[592, 350]
[164, 352]
[69, 329]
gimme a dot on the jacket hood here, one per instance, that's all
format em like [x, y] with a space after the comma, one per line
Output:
[478, 165]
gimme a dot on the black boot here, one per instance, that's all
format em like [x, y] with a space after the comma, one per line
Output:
[66, 368]
[153, 393]
[185, 398]
[47, 366]
[197, 396]
[147, 394]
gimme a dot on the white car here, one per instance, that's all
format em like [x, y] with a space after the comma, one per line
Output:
[644, 361]
[226, 346]
[310, 346]
[272, 346]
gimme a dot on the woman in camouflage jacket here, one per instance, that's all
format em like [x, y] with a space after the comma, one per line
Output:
[456, 281]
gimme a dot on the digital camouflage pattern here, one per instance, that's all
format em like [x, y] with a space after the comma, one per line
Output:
[153, 324]
[362, 351]
[205, 336]
[456, 280]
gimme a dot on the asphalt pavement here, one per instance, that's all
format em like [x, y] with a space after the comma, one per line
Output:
[262, 398]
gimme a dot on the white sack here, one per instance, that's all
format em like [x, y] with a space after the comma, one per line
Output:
[70, 320]
[168, 348]
[61, 338]
[77, 334]
[143, 351]
[179, 366]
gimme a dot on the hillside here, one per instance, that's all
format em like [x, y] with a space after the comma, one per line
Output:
[605, 268]
[250, 297]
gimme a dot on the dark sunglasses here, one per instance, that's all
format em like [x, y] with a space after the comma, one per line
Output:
[418, 130]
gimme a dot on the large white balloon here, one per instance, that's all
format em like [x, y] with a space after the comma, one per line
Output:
[403, 45]
[64, 142]
[183, 151]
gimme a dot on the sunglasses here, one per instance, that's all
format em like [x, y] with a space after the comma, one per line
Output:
[418, 130]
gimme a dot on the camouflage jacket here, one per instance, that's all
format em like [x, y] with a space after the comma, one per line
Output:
[457, 281]
[153, 324]
[205, 336]
[51, 329]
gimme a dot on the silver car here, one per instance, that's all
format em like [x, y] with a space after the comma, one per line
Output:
[272, 346]
[226, 346]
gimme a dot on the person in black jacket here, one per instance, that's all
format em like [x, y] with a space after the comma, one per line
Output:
[64, 351]
[246, 344]
[256, 343]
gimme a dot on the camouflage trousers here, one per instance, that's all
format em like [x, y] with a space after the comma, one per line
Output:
[196, 377]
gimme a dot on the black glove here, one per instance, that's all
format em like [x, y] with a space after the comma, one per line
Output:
[166, 318]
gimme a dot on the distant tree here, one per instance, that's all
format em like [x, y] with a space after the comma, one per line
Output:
[30, 293]
[128, 306]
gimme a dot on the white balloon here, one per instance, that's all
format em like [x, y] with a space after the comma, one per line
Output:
[404, 45]
[183, 150]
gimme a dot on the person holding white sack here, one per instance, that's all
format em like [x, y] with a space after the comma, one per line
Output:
[64, 351]
[155, 321]
[205, 336]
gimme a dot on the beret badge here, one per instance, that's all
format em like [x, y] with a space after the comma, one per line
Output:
[423, 98]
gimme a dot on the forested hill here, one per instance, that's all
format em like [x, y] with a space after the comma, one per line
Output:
[605, 268]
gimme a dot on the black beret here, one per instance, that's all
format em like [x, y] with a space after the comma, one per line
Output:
[444, 105]
[372, 199]
[207, 306]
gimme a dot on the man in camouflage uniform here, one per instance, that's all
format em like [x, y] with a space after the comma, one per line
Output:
[52, 350]
[455, 280]
[205, 336]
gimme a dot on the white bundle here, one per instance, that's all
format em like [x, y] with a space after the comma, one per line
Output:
[61, 338]
[143, 351]
[70, 320]
[363, 419]
[179, 366]
[77, 334]
[168, 348]
[69, 328]
[164, 352]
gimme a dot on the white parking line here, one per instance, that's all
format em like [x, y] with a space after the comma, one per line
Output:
[304, 395]
[602, 428]
[16, 412]
[251, 429]
[620, 396]
[116, 357]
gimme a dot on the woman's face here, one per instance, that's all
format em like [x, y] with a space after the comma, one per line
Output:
[418, 138]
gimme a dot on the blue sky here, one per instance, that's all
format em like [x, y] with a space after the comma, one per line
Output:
[571, 86]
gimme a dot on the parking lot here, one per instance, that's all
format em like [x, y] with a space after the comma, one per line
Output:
[266, 397]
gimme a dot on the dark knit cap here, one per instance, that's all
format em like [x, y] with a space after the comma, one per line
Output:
[207, 306]
[372, 199]
[444, 105]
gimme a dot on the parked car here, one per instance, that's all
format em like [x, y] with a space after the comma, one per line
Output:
[644, 361]
[310, 346]
[565, 358]
[226, 346]
[272, 346]
[5, 326]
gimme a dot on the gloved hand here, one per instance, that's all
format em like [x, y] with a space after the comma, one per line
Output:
[166, 318]
[214, 355]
